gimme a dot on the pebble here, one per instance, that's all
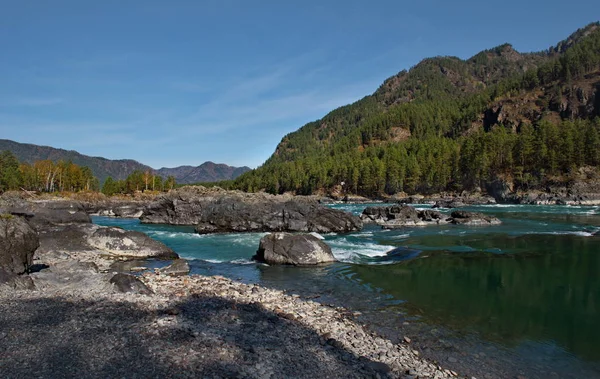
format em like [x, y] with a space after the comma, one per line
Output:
[338, 332]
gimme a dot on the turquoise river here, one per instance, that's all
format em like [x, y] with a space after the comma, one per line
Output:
[518, 299]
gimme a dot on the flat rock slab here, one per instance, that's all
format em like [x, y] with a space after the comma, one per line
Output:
[99, 244]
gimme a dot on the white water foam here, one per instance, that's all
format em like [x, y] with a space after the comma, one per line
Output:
[400, 236]
[579, 233]
[181, 235]
[347, 251]
[243, 261]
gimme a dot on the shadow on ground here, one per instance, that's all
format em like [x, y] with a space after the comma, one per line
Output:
[195, 337]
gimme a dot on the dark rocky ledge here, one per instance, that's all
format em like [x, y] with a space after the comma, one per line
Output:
[219, 211]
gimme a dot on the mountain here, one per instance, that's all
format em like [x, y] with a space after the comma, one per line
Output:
[121, 168]
[453, 124]
[101, 167]
[206, 172]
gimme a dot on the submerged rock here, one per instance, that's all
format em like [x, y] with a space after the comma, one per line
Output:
[293, 249]
[226, 211]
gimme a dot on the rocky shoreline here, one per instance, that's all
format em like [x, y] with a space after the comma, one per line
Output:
[84, 314]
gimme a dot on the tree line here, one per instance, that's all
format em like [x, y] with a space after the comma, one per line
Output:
[44, 175]
[138, 181]
[65, 176]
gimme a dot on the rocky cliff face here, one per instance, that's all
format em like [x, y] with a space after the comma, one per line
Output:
[581, 187]
[577, 100]
[218, 211]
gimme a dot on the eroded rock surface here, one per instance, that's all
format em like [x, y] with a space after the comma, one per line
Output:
[229, 211]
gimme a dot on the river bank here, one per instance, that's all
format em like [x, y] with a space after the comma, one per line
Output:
[81, 316]
[189, 327]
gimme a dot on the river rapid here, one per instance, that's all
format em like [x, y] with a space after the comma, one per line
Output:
[521, 298]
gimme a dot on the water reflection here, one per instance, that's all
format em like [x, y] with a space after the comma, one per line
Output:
[551, 292]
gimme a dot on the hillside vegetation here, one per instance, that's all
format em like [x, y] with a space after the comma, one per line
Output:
[452, 124]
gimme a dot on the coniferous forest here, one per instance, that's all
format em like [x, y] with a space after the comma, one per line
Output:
[449, 124]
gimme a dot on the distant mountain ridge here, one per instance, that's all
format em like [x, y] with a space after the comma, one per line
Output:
[206, 172]
[120, 168]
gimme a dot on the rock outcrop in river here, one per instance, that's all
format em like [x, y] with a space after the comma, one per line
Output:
[293, 249]
[402, 216]
[219, 211]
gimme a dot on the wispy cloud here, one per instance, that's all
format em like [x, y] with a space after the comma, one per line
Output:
[30, 101]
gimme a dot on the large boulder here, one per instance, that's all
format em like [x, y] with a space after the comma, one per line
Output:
[128, 243]
[99, 244]
[18, 242]
[228, 211]
[293, 249]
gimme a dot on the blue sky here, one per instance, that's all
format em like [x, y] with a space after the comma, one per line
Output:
[170, 83]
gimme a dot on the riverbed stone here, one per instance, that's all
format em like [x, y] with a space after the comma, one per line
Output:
[129, 284]
[178, 267]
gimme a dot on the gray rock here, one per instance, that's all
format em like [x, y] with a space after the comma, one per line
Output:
[53, 213]
[403, 215]
[116, 208]
[14, 281]
[222, 211]
[129, 284]
[473, 218]
[293, 249]
[127, 243]
[18, 242]
[100, 244]
[179, 267]
[133, 265]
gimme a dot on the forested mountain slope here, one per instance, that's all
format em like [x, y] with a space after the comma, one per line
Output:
[452, 124]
